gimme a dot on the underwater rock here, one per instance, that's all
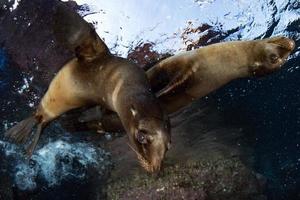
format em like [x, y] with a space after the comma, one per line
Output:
[206, 179]
[6, 190]
[26, 35]
[203, 163]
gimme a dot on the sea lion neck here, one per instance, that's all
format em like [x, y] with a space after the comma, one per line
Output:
[94, 60]
[144, 106]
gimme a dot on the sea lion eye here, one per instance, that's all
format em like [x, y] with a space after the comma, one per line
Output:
[141, 137]
[274, 58]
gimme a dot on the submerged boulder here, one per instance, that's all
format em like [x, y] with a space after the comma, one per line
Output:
[205, 162]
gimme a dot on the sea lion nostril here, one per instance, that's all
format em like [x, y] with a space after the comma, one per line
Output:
[287, 44]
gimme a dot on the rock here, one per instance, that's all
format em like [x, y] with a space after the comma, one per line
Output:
[203, 163]
[6, 189]
[26, 34]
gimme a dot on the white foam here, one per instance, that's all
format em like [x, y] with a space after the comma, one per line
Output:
[15, 5]
[55, 162]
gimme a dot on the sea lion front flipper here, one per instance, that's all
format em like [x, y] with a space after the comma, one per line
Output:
[73, 32]
[94, 119]
[82, 119]
[168, 80]
[92, 114]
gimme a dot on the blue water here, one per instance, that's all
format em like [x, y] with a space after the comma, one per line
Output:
[272, 107]
[3, 59]
[3, 65]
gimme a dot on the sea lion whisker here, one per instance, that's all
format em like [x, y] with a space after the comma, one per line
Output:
[145, 164]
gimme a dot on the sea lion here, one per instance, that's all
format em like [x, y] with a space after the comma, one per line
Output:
[180, 79]
[96, 77]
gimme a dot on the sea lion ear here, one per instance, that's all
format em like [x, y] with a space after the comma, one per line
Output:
[133, 111]
[77, 35]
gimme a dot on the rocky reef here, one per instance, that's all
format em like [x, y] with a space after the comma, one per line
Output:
[205, 162]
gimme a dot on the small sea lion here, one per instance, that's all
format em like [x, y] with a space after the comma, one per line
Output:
[180, 79]
[96, 77]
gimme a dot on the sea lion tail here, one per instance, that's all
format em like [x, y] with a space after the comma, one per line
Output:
[22, 131]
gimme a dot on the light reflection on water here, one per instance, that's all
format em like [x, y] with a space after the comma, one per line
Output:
[163, 21]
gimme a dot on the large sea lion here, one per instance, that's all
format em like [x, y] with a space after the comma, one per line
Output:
[96, 77]
[180, 79]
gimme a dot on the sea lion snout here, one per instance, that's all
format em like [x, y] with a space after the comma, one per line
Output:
[158, 151]
[278, 49]
[151, 141]
[283, 42]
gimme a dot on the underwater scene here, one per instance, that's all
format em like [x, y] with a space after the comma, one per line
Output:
[240, 141]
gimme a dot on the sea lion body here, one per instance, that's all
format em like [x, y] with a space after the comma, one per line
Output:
[180, 79]
[96, 77]
[117, 85]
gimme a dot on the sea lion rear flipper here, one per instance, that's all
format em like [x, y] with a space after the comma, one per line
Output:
[72, 31]
[32, 144]
[21, 132]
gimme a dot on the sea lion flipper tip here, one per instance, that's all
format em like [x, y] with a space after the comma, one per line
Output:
[30, 148]
[76, 34]
[21, 131]
[164, 82]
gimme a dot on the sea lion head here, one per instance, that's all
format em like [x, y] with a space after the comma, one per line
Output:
[150, 139]
[270, 54]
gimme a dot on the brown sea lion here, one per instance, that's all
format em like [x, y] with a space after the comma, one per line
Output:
[96, 77]
[180, 79]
